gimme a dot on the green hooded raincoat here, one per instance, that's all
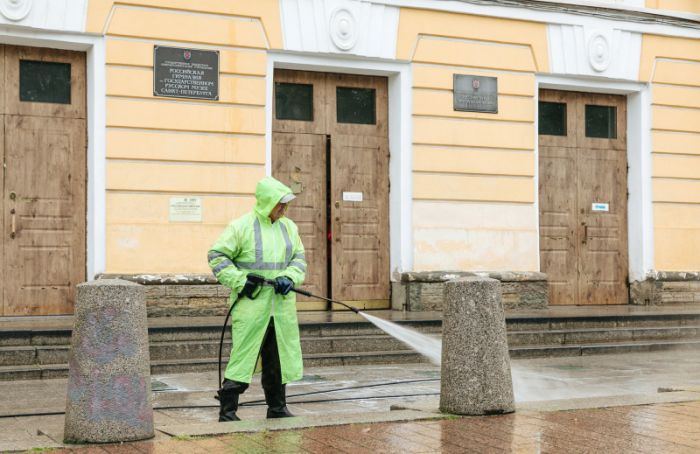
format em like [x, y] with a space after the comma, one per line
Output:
[253, 244]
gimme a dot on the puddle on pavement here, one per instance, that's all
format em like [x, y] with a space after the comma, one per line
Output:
[429, 373]
[567, 367]
[159, 386]
[306, 379]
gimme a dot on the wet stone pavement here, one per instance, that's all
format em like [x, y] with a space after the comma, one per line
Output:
[660, 428]
[602, 404]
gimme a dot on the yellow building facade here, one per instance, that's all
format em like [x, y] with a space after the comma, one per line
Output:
[466, 190]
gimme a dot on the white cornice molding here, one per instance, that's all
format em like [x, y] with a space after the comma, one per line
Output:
[340, 27]
[555, 17]
[54, 15]
[587, 50]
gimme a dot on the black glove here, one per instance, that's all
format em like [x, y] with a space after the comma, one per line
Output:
[253, 283]
[283, 285]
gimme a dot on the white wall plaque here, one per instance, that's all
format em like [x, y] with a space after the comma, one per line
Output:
[600, 206]
[185, 209]
[352, 196]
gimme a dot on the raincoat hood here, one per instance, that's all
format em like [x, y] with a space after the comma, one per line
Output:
[268, 192]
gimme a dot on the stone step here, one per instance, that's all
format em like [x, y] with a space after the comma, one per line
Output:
[547, 351]
[598, 335]
[537, 323]
[58, 354]
[519, 324]
[306, 330]
[309, 346]
[39, 371]
[9, 338]
[19, 372]
[43, 355]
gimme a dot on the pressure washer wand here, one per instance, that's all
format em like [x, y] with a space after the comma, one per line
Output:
[311, 295]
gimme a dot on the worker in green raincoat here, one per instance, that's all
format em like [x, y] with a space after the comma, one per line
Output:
[264, 318]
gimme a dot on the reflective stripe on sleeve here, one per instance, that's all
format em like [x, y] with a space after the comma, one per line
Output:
[299, 265]
[214, 254]
[221, 266]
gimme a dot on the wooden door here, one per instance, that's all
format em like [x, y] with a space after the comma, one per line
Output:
[359, 166]
[559, 241]
[602, 181]
[331, 147]
[360, 220]
[299, 161]
[583, 197]
[44, 180]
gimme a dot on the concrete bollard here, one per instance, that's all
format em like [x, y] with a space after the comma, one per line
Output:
[476, 377]
[109, 384]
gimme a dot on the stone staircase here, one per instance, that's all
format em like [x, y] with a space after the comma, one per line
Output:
[35, 352]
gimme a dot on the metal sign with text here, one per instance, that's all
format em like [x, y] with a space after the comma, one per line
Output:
[185, 73]
[475, 93]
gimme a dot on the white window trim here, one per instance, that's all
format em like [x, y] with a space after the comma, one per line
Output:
[640, 220]
[94, 46]
[400, 136]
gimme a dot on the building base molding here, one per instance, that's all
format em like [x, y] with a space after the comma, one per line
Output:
[176, 295]
[663, 288]
[424, 291]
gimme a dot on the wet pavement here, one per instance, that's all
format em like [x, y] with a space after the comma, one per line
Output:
[606, 392]
[663, 428]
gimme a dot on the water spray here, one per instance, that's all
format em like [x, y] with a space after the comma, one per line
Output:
[427, 346]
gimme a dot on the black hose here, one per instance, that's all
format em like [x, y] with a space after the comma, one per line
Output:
[221, 342]
[257, 403]
[253, 403]
[349, 387]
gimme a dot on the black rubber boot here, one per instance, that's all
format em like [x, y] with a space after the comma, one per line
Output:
[275, 395]
[228, 399]
[277, 403]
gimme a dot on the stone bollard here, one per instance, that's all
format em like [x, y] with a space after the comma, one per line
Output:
[476, 376]
[109, 384]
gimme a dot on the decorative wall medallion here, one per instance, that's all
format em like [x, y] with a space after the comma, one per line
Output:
[342, 29]
[15, 10]
[599, 51]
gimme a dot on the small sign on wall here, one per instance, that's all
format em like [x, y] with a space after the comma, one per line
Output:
[352, 197]
[185, 73]
[598, 206]
[475, 93]
[185, 209]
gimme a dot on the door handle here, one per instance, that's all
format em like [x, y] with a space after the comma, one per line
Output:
[14, 225]
[585, 234]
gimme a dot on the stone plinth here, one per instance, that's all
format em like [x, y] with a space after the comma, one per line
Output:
[476, 376]
[109, 389]
[666, 288]
[424, 291]
[180, 295]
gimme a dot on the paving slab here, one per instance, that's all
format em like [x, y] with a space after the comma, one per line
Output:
[432, 405]
[298, 422]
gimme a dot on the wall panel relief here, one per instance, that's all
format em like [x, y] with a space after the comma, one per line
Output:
[594, 51]
[340, 26]
[60, 15]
